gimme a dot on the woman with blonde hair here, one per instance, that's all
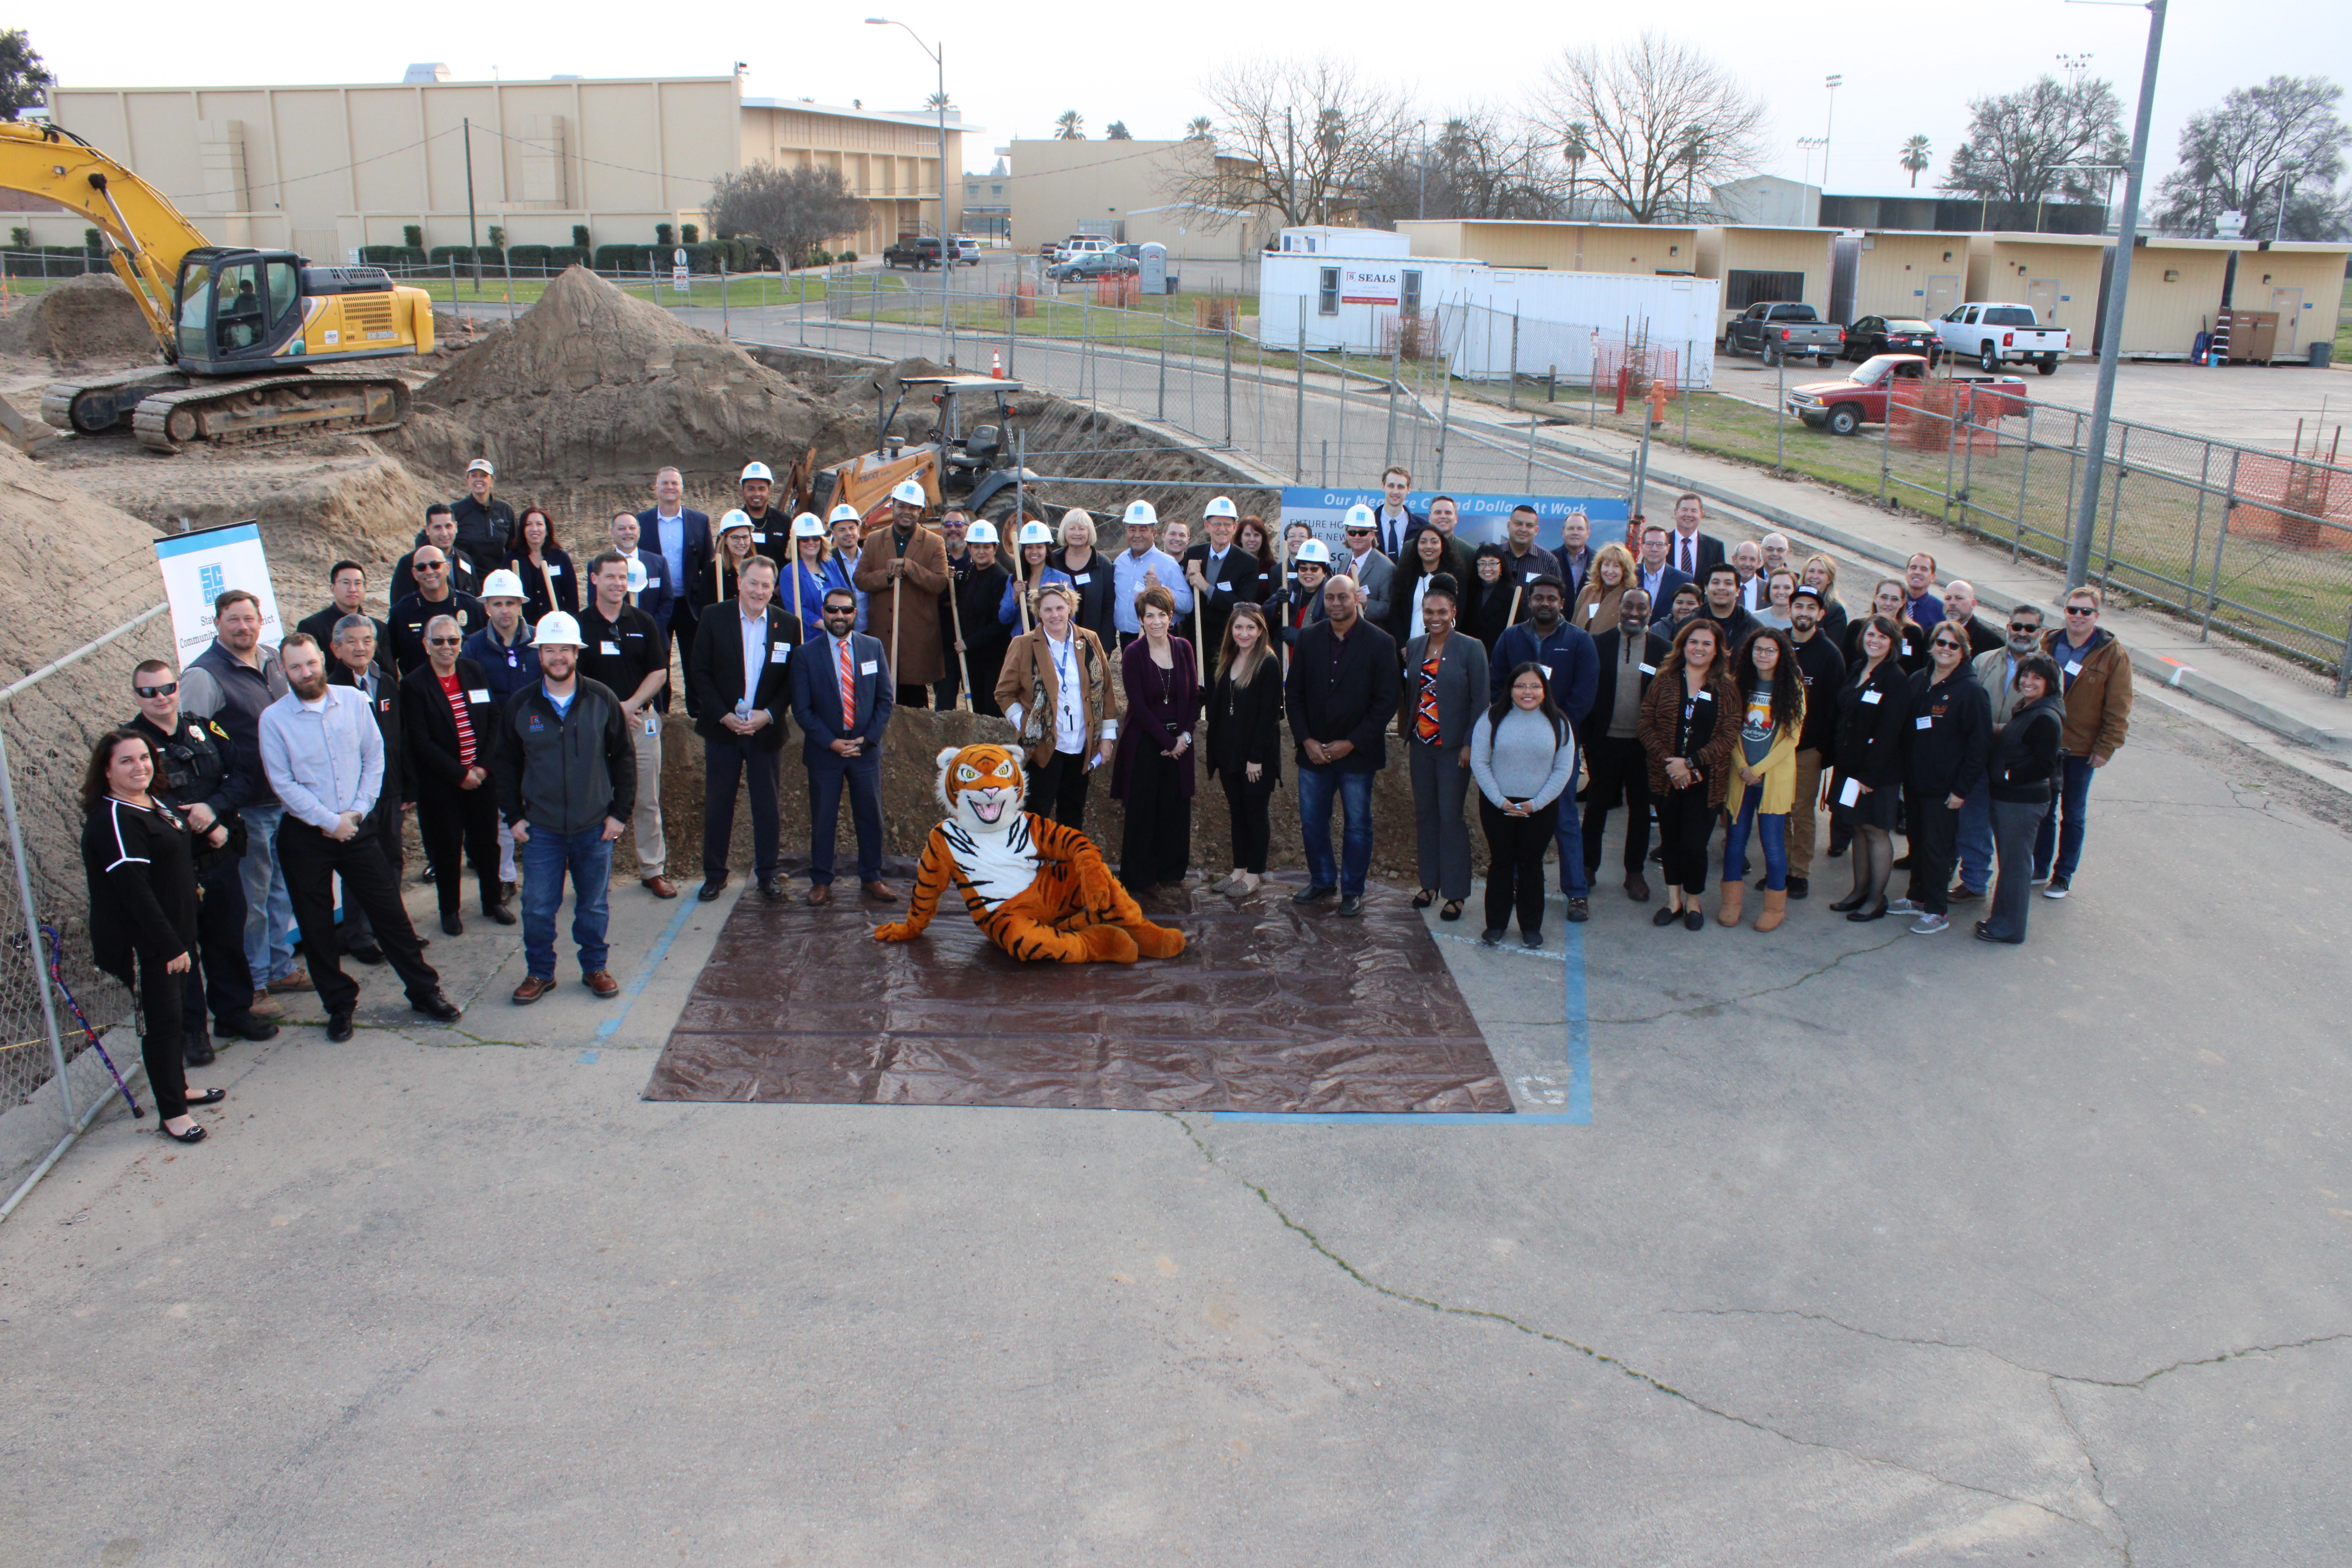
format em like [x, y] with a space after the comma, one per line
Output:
[1245, 740]
[1595, 610]
[1819, 573]
[1088, 575]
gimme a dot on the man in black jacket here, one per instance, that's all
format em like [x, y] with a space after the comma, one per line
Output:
[444, 714]
[434, 597]
[346, 588]
[467, 569]
[355, 664]
[1341, 698]
[1611, 733]
[1721, 583]
[740, 667]
[566, 772]
[486, 525]
[1822, 667]
[1222, 574]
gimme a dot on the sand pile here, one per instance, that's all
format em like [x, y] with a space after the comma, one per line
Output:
[89, 320]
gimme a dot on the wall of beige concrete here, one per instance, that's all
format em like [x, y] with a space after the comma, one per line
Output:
[1059, 188]
[1620, 249]
[1904, 273]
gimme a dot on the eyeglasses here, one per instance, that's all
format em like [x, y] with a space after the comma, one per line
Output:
[2082, 609]
[1946, 642]
[446, 642]
[166, 689]
[2025, 626]
[431, 566]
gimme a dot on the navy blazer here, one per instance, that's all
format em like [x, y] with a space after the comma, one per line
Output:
[816, 693]
[1670, 580]
[698, 563]
[715, 670]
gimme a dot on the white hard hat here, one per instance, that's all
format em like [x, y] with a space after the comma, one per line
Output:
[1312, 551]
[637, 575]
[557, 629]
[845, 512]
[908, 490]
[1219, 506]
[1034, 532]
[981, 531]
[1360, 516]
[755, 471]
[734, 519]
[806, 526]
[502, 584]
[1140, 515]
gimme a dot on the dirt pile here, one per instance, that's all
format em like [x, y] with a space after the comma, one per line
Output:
[89, 320]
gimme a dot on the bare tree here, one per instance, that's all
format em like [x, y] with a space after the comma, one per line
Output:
[789, 211]
[1299, 137]
[1917, 156]
[2281, 141]
[2034, 144]
[1478, 166]
[1656, 119]
[1069, 126]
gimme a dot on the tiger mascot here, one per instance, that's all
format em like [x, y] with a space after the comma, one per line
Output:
[1037, 889]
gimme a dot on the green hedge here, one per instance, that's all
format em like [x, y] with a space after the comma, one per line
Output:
[391, 256]
[463, 256]
[54, 261]
[705, 258]
[540, 258]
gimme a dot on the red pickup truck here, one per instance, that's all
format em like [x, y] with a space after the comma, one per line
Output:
[1843, 407]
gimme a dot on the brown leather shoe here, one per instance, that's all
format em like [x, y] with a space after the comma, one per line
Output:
[661, 887]
[882, 893]
[265, 1005]
[533, 987]
[295, 979]
[821, 893]
[600, 981]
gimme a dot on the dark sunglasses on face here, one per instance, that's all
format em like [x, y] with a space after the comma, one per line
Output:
[2082, 609]
[431, 566]
[166, 689]
[2025, 626]
[1946, 642]
[447, 642]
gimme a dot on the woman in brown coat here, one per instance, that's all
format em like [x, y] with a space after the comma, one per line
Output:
[1690, 727]
[1057, 687]
[1595, 610]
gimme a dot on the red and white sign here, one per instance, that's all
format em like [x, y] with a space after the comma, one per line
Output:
[1371, 284]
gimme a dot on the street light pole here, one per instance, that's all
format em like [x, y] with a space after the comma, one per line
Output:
[939, 58]
[2111, 329]
[1829, 128]
[1421, 208]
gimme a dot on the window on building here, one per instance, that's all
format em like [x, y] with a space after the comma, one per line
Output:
[1413, 290]
[1327, 295]
[1742, 288]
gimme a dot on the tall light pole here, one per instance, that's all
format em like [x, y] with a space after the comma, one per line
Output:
[939, 58]
[1420, 208]
[1829, 125]
[2111, 330]
[1808, 143]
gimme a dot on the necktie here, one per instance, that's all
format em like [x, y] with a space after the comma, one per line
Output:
[848, 687]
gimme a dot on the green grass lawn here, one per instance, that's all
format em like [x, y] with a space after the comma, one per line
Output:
[745, 290]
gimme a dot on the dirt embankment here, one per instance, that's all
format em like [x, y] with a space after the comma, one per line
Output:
[85, 320]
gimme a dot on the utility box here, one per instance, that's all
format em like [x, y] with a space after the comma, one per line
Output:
[2247, 336]
[1153, 258]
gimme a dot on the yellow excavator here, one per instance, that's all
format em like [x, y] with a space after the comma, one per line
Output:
[249, 338]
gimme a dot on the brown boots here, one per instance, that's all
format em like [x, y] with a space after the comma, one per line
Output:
[1732, 893]
[1776, 910]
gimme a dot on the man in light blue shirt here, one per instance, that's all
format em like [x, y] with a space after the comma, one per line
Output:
[1144, 564]
[324, 756]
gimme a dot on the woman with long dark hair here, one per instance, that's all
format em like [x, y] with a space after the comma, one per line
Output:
[1523, 754]
[1428, 555]
[1017, 609]
[138, 855]
[1245, 740]
[1891, 599]
[539, 558]
[1690, 731]
[1771, 713]
[1256, 541]
[1487, 594]
[1863, 788]
[1944, 759]
[1151, 776]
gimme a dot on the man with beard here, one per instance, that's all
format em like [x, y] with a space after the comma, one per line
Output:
[1822, 667]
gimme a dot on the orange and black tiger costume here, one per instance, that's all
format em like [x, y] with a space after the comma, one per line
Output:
[1037, 889]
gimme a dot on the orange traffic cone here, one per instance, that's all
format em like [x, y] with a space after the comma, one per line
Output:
[996, 365]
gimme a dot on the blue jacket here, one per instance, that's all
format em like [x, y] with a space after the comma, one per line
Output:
[816, 694]
[1567, 655]
[506, 670]
[837, 574]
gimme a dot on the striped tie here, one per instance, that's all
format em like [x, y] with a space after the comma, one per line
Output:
[848, 687]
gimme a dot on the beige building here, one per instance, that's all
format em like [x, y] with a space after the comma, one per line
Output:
[327, 169]
[1616, 247]
[2057, 274]
[1762, 265]
[1906, 273]
[1129, 192]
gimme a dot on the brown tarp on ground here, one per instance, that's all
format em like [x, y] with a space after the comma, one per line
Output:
[1270, 1007]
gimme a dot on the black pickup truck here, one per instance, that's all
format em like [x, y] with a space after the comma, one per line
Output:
[1774, 332]
[919, 251]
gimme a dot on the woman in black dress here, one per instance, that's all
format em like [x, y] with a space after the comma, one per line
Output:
[138, 856]
[1486, 595]
[1152, 775]
[541, 562]
[1874, 709]
[1245, 740]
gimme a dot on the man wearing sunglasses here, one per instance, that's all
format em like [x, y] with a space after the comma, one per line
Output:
[433, 597]
[2095, 673]
[446, 718]
[202, 777]
[1996, 671]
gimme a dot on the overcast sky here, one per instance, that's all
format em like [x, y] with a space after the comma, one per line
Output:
[1907, 70]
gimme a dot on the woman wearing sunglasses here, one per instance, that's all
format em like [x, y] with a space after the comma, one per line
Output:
[1948, 741]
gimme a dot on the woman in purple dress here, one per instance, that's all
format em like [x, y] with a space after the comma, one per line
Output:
[1152, 776]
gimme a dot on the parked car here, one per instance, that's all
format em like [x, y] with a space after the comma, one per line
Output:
[1874, 335]
[967, 250]
[1093, 264]
[1843, 407]
[1079, 244]
[1778, 331]
[919, 251]
[1991, 333]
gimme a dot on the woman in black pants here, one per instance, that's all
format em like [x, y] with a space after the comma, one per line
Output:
[1523, 754]
[138, 857]
[2024, 762]
[1874, 709]
[1949, 738]
[1245, 740]
[1690, 725]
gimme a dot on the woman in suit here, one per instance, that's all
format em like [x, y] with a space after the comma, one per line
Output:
[539, 562]
[1874, 708]
[799, 588]
[1428, 555]
[1771, 715]
[1486, 595]
[1254, 537]
[717, 586]
[1443, 694]
[1690, 732]
[1523, 754]
[1026, 571]
[1082, 566]
[1945, 752]
[446, 721]
[1595, 610]
[138, 855]
[1151, 776]
[1245, 740]
[2022, 770]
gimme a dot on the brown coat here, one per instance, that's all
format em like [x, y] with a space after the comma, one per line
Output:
[2099, 703]
[1028, 678]
[921, 652]
[1662, 713]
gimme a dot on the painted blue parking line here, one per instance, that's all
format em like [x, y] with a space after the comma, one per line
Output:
[638, 982]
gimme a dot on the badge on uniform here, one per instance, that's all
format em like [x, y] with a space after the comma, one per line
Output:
[610, 649]
[478, 694]
[780, 654]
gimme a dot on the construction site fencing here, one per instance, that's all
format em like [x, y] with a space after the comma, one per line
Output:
[51, 1084]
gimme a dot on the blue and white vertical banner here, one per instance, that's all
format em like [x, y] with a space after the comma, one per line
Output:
[199, 567]
[1484, 517]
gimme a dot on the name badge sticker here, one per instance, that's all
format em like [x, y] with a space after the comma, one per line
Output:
[780, 654]
[1923, 722]
[609, 649]
[555, 569]
[1871, 696]
[1649, 670]
[868, 668]
[1852, 792]
[1083, 578]
[478, 694]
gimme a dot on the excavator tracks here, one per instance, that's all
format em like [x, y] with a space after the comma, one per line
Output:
[267, 408]
[98, 403]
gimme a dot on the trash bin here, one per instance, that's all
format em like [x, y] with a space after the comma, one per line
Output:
[2321, 353]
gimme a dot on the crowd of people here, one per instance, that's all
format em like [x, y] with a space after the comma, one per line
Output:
[518, 711]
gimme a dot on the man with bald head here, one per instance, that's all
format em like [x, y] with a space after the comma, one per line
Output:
[434, 597]
[1960, 609]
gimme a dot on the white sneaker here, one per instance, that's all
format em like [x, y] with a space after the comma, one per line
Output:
[1902, 907]
[1929, 925]
[2058, 887]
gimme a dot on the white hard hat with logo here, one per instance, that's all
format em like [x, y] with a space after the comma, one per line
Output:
[502, 584]
[1139, 514]
[1035, 532]
[1219, 506]
[806, 526]
[1312, 551]
[845, 512]
[981, 531]
[755, 471]
[1360, 516]
[556, 629]
[910, 491]
[734, 519]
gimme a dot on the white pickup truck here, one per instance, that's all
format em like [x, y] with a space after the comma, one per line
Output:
[1995, 334]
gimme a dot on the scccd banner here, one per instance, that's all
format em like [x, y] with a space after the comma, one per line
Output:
[1483, 517]
[199, 567]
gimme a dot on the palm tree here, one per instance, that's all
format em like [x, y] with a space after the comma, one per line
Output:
[1070, 126]
[1578, 148]
[1915, 158]
[938, 101]
[1198, 129]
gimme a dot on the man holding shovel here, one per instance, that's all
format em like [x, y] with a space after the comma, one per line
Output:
[903, 566]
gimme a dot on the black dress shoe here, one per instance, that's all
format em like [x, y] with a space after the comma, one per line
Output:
[1314, 895]
[452, 924]
[371, 954]
[1859, 916]
[249, 1027]
[339, 1025]
[1851, 901]
[711, 887]
[1694, 918]
[773, 889]
[193, 1135]
[501, 911]
[196, 1051]
[1800, 887]
[1352, 905]
[438, 1006]
[207, 1096]
[1665, 916]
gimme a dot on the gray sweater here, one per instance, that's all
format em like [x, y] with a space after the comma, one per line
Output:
[1520, 760]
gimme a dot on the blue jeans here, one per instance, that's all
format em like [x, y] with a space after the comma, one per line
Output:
[1316, 788]
[1976, 837]
[1773, 831]
[269, 907]
[543, 858]
[2064, 823]
[1569, 836]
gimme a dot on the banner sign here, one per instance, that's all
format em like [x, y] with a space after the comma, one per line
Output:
[1483, 517]
[200, 567]
[1376, 284]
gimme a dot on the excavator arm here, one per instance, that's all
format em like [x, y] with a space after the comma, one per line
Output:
[146, 235]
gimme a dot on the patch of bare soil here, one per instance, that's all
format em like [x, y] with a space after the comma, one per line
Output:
[80, 321]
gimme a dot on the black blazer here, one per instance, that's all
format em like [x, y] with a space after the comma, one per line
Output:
[535, 584]
[1245, 727]
[1710, 553]
[1094, 595]
[1870, 734]
[1234, 581]
[715, 670]
[679, 611]
[1948, 756]
[429, 733]
[1655, 649]
[399, 778]
[1352, 700]
[322, 625]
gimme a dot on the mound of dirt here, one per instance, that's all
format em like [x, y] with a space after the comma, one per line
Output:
[89, 320]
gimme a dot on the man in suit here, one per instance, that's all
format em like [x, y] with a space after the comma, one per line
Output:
[1655, 576]
[445, 716]
[356, 664]
[1748, 566]
[1221, 576]
[1374, 572]
[742, 664]
[1575, 553]
[347, 586]
[842, 697]
[680, 538]
[1394, 522]
[1342, 697]
[1629, 654]
[650, 587]
[1688, 550]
